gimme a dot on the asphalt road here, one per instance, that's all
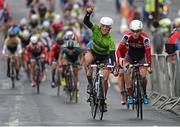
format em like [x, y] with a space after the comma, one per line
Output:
[22, 105]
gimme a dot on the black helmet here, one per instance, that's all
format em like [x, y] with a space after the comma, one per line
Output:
[70, 44]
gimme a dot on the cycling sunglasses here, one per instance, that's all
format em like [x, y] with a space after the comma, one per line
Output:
[135, 31]
[105, 26]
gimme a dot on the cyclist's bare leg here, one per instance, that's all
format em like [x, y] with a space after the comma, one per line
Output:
[17, 66]
[128, 81]
[53, 71]
[76, 74]
[89, 58]
[121, 84]
[105, 80]
[64, 62]
[143, 72]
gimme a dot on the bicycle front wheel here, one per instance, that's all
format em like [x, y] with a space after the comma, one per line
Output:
[139, 102]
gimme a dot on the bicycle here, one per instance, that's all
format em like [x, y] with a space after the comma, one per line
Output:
[38, 74]
[12, 69]
[138, 92]
[97, 97]
[71, 86]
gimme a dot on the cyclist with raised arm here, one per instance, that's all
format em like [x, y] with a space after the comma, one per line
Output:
[12, 46]
[139, 50]
[34, 50]
[103, 44]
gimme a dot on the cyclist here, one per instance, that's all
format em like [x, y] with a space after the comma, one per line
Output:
[139, 50]
[46, 40]
[71, 53]
[103, 44]
[23, 24]
[70, 34]
[57, 25]
[46, 26]
[12, 46]
[33, 50]
[42, 12]
[53, 58]
[25, 38]
[33, 23]
[120, 73]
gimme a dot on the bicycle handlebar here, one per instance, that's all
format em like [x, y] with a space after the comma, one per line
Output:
[101, 66]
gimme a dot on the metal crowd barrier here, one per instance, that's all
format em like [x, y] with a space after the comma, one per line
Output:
[165, 81]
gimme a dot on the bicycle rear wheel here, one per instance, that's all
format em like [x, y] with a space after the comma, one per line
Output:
[100, 110]
[13, 74]
[58, 83]
[38, 80]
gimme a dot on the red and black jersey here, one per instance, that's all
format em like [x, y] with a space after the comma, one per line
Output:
[35, 51]
[54, 52]
[137, 48]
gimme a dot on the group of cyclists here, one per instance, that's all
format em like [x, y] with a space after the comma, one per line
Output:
[48, 35]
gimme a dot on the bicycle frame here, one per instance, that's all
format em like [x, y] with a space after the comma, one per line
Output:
[97, 96]
[71, 85]
[138, 92]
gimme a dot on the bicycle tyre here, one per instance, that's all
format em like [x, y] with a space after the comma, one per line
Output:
[38, 80]
[93, 99]
[58, 83]
[69, 87]
[140, 99]
[13, 74]
[101, 109]
[101, 100]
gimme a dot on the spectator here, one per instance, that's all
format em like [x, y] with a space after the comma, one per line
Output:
[158, 41]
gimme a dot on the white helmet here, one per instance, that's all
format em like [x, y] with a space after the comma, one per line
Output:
[23, 21]
[106, 21]
[57, 16]
[75, 6]
[34, 17]
[46, 24]
[136, 25]
[34, 39]
[177, 20]
[69, 35]
[44, 34]
[26, 33]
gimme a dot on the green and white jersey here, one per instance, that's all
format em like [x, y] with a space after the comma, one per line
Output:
[102, 44]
